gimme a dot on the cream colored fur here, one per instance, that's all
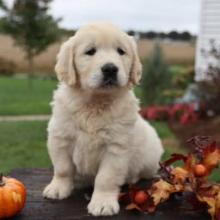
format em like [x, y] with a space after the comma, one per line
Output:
[96, 135]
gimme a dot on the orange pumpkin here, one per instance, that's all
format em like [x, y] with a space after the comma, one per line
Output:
[12, 196]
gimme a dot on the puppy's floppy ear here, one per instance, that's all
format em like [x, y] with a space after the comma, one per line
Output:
[65, 64]
[136, 67]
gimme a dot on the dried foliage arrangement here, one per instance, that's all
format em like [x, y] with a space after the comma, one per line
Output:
[191, 177]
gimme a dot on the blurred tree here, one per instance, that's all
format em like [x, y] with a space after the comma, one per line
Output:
[3, 8]
[151, 34]
[29, 23]
[148, 35]
[3, 5]
[162, 35]
[131, 32]
[174, 35]
[156, 78]
[186, 36]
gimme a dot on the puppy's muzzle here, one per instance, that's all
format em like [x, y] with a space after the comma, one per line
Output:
[109, 72]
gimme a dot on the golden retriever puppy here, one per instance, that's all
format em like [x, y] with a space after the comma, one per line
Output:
[95, 134]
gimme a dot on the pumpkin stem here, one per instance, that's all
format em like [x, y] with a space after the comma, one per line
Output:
[2, 183]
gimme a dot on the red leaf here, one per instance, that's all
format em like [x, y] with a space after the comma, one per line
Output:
[174, 158]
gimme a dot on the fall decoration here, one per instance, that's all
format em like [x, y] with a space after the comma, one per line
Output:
[12, 197]
[199, 170]
[140, 197]
[191, 178]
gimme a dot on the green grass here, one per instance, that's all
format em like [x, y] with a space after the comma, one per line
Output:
[176, 69]
[23, 144]
[169, 140]
[138, 91]
[162, 129]
[17, 99]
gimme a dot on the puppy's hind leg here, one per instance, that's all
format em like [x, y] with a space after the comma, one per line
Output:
[150, 172]
[151, 165]
[61, 185]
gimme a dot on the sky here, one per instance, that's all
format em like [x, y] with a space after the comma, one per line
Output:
[141, 15]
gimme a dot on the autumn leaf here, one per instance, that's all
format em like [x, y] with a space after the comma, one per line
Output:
[210, 201]
[210, 195]
[217, 216]
[133, 206]
[179, 174]
[174, 158]
[217, 206]
[211, 157]
[190, 163]
[191, 177]
[161, 191]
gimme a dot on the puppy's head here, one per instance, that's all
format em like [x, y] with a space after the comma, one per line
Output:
[99, 57]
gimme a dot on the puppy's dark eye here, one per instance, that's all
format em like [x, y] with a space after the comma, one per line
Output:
[91, 51]
[120, 51]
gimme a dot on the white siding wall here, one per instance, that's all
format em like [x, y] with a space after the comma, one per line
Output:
[209, 29]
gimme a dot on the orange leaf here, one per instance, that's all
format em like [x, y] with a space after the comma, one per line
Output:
[179, 174]
[211, 202]
[161, 191]
[133, 206]
[190, 163]
[217, 206]
[211, 158]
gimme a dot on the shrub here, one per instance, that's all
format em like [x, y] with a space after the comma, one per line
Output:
[184, 113]
[156, 78]
[184, 78]
[181, 78]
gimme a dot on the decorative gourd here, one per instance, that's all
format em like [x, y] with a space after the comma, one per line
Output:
[12, 196]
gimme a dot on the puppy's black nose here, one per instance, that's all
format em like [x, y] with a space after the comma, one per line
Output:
[109, 68]
[109, 71]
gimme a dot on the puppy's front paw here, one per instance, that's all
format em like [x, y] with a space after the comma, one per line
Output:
[58, 189]
[103, 206]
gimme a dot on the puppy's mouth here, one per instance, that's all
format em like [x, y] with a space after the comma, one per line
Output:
[109, 83]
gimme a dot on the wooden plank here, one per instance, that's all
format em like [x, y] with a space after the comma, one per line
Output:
[74, 208]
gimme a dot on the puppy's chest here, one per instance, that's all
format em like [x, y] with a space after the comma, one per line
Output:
[88, 151]
[92, 136]
[91, 121]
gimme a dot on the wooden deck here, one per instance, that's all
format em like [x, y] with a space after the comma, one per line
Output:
[74, 208]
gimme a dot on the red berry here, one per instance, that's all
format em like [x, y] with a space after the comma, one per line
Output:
[140, 197]
[200, 170]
